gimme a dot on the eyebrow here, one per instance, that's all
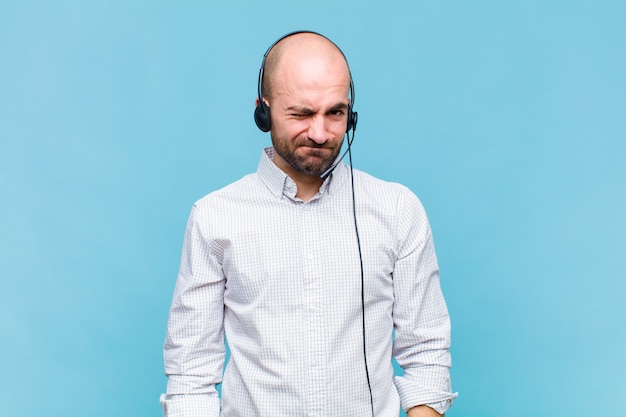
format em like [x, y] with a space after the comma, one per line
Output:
[339, 106]
[300, 109]
[307, 110]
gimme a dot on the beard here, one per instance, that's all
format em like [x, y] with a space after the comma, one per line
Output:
[317, 159]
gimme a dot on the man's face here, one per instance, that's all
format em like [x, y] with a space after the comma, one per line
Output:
[309, 107]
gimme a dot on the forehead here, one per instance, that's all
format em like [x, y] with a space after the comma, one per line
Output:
[305, 60]
[305, 74]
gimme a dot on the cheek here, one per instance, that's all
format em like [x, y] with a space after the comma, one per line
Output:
[338, 127]
[291, 128]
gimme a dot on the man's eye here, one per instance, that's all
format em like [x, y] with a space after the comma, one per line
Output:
[336, 112]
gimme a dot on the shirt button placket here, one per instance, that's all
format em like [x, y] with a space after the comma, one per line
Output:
[312, 297]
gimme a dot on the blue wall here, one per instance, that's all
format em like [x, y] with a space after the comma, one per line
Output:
[506, 118]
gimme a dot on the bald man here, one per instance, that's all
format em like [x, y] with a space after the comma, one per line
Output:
[316, 274]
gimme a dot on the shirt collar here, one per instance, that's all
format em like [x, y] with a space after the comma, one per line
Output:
[281, 185]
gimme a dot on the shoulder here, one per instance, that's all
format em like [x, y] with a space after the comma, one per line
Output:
[231, 193]
[387, 193]
[227, 211]
[235, 200]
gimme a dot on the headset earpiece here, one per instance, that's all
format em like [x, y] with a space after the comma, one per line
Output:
[352, 115]
[262, 116]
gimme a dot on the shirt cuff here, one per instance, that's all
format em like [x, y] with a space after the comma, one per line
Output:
[195, 405]
[442, 406]
[413, 394]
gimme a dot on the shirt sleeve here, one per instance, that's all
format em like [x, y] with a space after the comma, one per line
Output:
[194, 348]
[421, 321]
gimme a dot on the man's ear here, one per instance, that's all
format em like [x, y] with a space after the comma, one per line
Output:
[256, 102]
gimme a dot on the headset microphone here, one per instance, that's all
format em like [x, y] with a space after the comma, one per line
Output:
[330, 170]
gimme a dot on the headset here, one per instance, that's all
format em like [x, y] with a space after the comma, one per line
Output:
[262, 111]
[264, 122]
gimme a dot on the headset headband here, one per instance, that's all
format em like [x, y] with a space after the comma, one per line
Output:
[262, 111]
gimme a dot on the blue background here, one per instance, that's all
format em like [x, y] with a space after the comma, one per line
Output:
[506, 118]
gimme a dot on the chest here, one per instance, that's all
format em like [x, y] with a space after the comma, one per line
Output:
[282, 255]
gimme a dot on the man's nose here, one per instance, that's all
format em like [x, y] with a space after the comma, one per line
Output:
[317, 130]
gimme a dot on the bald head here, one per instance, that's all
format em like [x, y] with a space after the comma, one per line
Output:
[297, 50]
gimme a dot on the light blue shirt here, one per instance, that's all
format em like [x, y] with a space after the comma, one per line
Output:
[281, 279]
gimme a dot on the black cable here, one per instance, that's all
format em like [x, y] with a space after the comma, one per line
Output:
[358, 240]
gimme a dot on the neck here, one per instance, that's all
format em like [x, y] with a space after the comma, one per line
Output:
[307, 185]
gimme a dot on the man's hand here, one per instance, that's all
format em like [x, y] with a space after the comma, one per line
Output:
[422, 411]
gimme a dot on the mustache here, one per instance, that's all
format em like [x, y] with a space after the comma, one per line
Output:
[312, 144]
